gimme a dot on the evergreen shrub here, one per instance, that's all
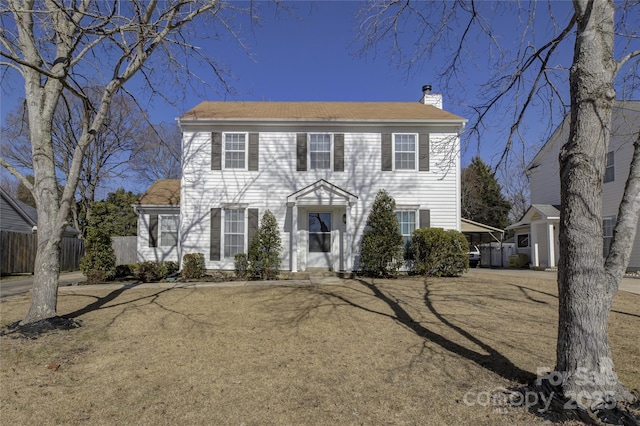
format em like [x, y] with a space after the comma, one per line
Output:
[439, 253]
[193, 265]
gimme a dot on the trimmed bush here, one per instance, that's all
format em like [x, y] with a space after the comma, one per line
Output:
[241, 265]
[99, 261]
[265, 248]
[193, 265]
[126, 270]
[382, 250]
[439, 253]
[148, 272]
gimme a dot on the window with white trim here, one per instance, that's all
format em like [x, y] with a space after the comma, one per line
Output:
[523, 240]
[319, 151]
[610, 171]
[608, 223]
[234, 231]
[407, 222]
[168, 230]
[235, 150]
[404, 151]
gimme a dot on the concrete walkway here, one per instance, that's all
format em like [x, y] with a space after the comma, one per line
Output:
[68, 281]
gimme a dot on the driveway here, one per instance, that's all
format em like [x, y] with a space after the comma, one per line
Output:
[22, 283]
[630, 285]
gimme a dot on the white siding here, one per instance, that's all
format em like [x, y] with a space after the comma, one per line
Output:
[545, 177]
[153, 254]
[203, 189]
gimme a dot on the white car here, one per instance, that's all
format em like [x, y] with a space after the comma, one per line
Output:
[474, 256]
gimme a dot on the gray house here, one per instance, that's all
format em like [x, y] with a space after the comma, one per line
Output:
[16, 216]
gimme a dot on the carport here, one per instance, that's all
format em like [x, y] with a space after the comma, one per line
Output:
[491, 239]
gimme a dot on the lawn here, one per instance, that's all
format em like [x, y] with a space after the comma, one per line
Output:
[398, 352]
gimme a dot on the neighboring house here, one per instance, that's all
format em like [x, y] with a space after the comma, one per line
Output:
[317, 166]
[16, 216]
[537, 231]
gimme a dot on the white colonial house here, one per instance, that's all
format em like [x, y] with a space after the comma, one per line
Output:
[537, 231]
[317, 166]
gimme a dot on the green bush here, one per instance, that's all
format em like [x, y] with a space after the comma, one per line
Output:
[193, 265]
[167, 268]
[382, 250]
[439, 253]
[148, 272]
[264, 249]
[241, 265]
[125, 270]
[99, 261]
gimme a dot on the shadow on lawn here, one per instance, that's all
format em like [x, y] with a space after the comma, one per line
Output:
[493, 360]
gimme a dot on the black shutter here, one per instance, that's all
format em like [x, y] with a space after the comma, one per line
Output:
[216, 151]
[301, 152]
[338, 152]
[254, 149]
[387, 153]
[214, 238]
[425, 218]
[423, 153]
[153, 230]
[252, 225]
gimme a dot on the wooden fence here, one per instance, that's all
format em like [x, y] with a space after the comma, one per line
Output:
[125, 249]
[18, 253]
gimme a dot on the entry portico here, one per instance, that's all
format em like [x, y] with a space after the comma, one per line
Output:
[321, 227]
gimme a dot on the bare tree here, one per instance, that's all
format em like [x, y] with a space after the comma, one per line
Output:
[515, 185]
[158, 156]
[59, 47]
[538, 73]
[106, 158]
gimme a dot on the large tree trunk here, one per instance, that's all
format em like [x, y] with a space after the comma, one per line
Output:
[585, 289]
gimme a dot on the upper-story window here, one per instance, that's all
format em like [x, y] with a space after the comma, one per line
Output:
[404, 151]
[235, 150]
[610, 171]
[319, 151]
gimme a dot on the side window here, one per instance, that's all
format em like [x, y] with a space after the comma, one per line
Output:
[169, 231]
[523, 240]
[610, 171]
[235, 150]
[319, 151]
[233, 232]
[404, 151]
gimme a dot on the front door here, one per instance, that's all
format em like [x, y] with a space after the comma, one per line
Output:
[319, 240]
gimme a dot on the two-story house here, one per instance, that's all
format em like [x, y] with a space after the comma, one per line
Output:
[317, 166]
[537, 231]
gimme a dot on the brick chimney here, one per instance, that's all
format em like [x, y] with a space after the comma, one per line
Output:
[429, 98]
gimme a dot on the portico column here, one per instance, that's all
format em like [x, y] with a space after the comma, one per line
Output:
[550, 237]
[349, 265]
[534, 243]
[294, 238]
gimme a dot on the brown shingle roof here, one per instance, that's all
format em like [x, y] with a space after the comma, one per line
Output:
[348, 111]
[164, 192]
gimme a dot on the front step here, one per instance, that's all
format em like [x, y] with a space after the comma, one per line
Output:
[317, 273]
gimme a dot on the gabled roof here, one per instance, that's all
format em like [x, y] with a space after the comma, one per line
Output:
[546, 212]
[618, 108]
[27, 212]
[322, 192]
[164, 192]
[320, 111]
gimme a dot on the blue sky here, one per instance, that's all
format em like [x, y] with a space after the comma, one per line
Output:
[310, 53]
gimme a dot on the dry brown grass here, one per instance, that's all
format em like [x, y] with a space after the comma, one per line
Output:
[395, 352]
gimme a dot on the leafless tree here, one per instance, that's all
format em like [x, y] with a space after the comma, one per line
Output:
[106, 158]
[158, 156]
[539, 73]
[64, 47]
